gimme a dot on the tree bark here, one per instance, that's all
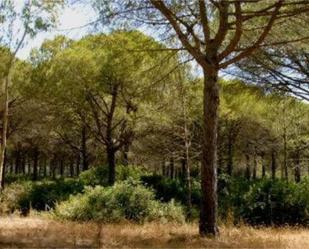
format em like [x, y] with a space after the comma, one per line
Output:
[172, 168]
[263, 166]
[297, 171]
[125, 153]
[71, 167]
[248, 171]
[84, 148]
[273, 165]
[23, 163]
[5, 119]
[35, 164]
[230, 156]
[17, 161]
[77, 164]
[208, 214]
[111, 166]
[254, 167]
[61, 164]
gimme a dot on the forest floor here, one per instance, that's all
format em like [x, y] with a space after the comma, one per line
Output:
[38, 232]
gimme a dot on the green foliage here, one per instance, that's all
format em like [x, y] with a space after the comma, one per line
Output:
[99, 175]
[276, 202]
[48, 193]
[14, 197]
[40, 195]
[94, 176]
[168, 189]
[126, 200]
[262, 201]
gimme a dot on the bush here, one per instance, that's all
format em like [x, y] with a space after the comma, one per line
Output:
[45, 194]
[127, 200]
[14, 197]
[276, 202]
[38, 195]
[99, 175]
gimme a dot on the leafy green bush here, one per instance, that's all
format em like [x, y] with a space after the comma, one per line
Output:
[95, 176]
[99, 175]
[45, 194]
[276, 202]
[14, 197]
[38, 195]
[125, 200]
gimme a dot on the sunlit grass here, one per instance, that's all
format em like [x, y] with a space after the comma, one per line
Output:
[45, 233]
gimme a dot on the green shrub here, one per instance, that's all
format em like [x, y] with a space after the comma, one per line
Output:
[99, 175]
[45, 194]
[276, 202]
[127, 200]
[95, 176]
[14, 197]
[38, 195]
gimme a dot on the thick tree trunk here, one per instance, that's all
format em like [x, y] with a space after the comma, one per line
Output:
[273, 165]
[208, 214]
[111, 166]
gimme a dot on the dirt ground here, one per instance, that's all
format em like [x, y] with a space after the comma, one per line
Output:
[38, 232]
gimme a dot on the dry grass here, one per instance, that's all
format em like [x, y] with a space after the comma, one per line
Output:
[45, 233]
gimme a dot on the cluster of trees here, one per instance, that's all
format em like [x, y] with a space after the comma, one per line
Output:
[75, 105]
[124, 98]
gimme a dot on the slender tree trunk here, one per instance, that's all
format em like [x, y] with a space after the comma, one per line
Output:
[285, 163]
[5, 120]
[163, 168]
[35, 164]
[273, 165]
[248, 171]
[297, 170]
[111, 166]
[44, 167]
[208, 213]
[125, 153]
[84, 148]
[17, 161]
[23, 163]
[71, 168]
[230, 156]
[188, 181]
[254, 167]
[172, 168]
[61, 164]
[77, 164]
[263, 166]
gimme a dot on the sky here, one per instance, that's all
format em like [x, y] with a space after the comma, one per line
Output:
[70, 24]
